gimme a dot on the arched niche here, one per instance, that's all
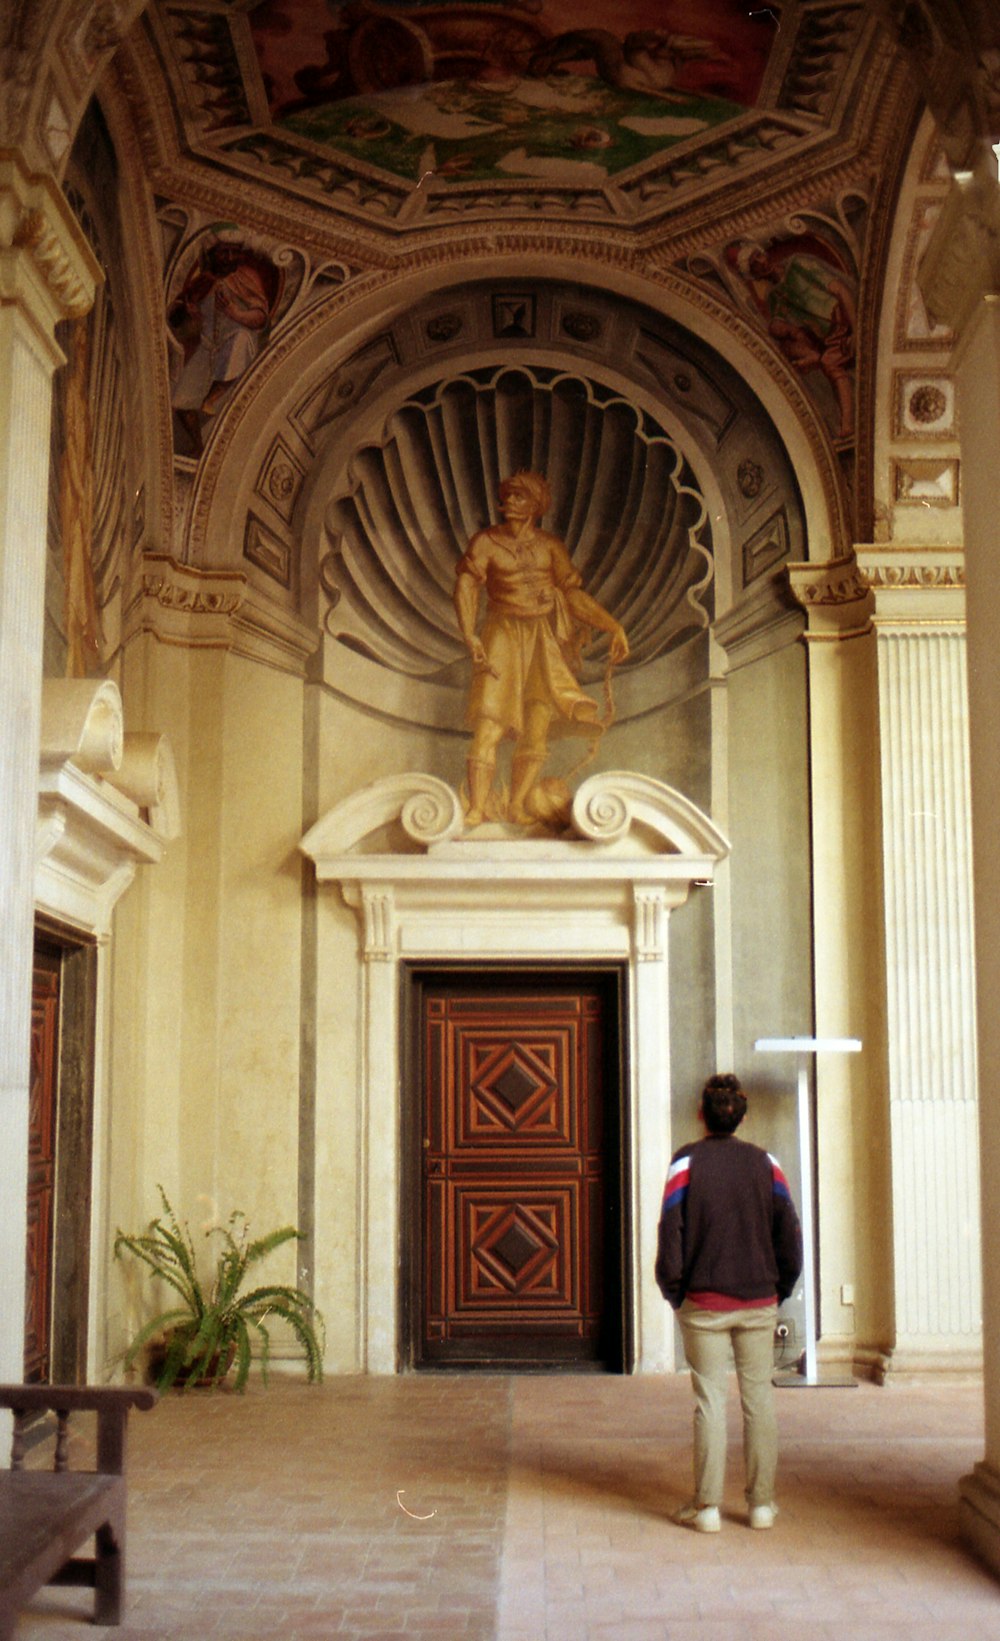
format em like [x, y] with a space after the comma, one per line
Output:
[672, 486]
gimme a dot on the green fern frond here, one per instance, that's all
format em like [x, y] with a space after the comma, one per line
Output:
[216, 1326]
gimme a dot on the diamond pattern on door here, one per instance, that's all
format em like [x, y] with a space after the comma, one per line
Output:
[514, 1247]
[514, 1173]
[520, 1087]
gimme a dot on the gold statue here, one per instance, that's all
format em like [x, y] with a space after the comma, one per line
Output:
[524, 683]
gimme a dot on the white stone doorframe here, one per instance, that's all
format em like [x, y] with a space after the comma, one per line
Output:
[436, 894]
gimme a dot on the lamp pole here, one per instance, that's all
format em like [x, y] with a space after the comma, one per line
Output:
[802, 1047]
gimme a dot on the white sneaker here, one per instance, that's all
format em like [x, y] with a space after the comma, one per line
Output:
[762, 1515]
[704, 1518]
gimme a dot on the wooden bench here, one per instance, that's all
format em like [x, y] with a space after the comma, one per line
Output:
[46, 1515]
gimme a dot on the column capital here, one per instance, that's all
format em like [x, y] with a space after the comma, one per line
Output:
[835, 596]
[915, 586]
[47, 268]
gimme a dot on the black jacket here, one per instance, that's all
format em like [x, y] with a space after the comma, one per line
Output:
[728, 1224]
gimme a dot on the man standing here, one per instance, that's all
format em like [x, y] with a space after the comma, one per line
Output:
[729, 1251]
[524, 680]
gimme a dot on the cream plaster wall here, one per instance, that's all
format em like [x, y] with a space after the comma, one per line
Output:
[206, 1004]
[768, 827]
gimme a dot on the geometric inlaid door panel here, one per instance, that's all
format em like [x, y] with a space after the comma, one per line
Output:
[515, 1175]
[44, 1074]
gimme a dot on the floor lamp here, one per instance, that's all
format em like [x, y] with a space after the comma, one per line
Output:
[803, 1047]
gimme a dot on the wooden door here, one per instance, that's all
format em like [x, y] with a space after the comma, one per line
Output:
[520, 1229]
[41, 1164]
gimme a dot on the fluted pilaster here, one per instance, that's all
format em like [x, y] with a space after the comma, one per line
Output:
[46, 273]
[930, 970]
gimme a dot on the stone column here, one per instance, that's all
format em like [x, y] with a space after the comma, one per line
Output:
[960, 279]
[47, 273]
[852, 1196]
[930, 980]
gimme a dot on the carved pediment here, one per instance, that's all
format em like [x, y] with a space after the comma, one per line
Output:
[107, 803]
[645, 825]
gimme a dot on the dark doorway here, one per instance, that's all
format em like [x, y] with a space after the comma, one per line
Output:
[43, 1093]
[60, 1149]
[515, 1196]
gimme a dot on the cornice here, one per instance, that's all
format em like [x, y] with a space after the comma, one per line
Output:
[46, 265]
[914, 585]
[217, 609]
[836, 597]
[758, 624]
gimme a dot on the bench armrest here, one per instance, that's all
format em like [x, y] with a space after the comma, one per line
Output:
[111, 1403]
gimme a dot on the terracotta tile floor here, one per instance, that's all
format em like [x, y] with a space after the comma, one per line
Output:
[489, 1508]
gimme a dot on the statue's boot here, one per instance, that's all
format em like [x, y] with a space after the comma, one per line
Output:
[524, 772]
[480, 779]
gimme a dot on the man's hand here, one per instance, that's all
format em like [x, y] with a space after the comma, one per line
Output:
[479, 660]
[619, 645]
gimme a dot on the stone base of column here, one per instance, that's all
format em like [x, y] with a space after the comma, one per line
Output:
[979, 1514]
[932, 1360]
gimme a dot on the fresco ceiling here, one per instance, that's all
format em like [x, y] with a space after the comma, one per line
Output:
[405, 113]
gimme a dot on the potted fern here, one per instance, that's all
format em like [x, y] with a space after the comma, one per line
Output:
[214, 1326]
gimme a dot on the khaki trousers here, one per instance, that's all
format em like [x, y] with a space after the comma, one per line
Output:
[709, 1337]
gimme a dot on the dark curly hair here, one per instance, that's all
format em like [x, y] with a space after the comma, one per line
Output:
[723, 1103]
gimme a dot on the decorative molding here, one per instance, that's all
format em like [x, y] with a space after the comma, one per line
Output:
[616, 806]
[187, 591]
[924, 405]
[835, 596]
[218, 609]
[650, 926]
[90, 834]
[46, 265]
[147, 774]
[922, 481]
[428, 811]
[633, 818]
[764, 620]
[766, 547]
[280, 480]
[914, 585]
[267, 551]
[82, 723]
[379, 909]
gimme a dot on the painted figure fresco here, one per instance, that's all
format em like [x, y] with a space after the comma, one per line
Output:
[525, 656]
[545, 88]
[81, 615]
[221, 320]
[807, 300]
